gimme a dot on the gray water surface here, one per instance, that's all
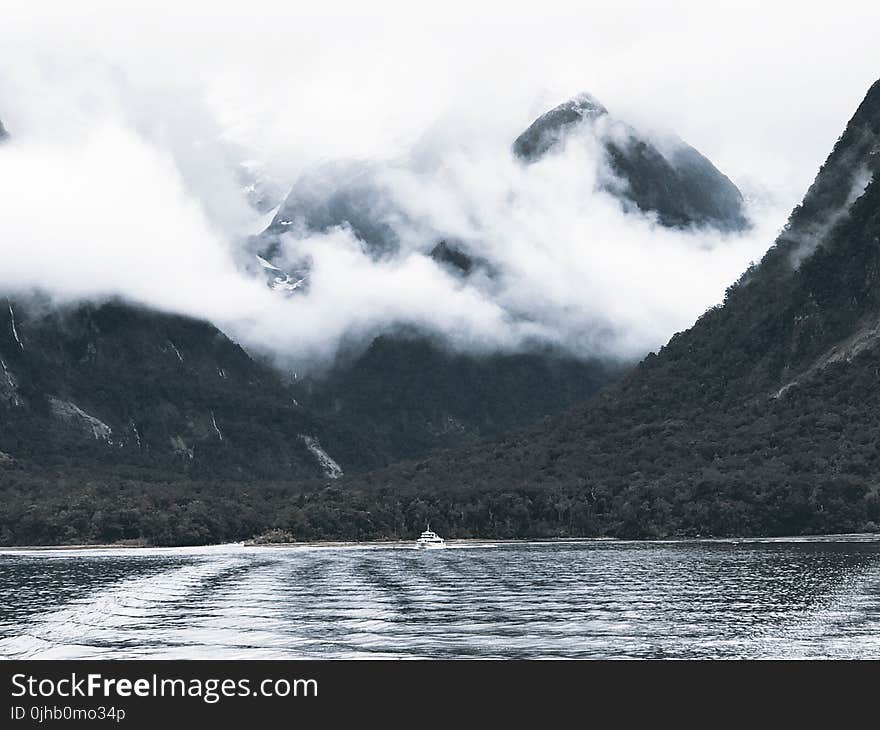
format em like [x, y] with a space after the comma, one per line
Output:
[754, 599]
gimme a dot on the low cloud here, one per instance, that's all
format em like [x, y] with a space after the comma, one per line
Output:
[566, 264]
[123, 174]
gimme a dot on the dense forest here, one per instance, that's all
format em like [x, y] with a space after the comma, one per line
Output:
[762, 419]
[85, 508]
[412, 394]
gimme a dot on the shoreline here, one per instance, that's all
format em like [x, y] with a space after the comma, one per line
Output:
[305, 544]
[451, 543]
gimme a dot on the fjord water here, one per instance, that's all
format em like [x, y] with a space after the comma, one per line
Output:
[816, 597]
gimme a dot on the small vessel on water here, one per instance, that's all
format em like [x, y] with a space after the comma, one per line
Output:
[430, 540]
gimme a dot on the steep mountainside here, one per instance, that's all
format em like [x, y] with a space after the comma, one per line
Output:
[677, 183]
[110, 385]
[413, 395]
[764, 417]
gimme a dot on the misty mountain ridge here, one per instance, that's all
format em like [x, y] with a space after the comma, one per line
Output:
[400, 395]
[676, 183]
[549, 130]
[115, 384]
[762, 418]
[411, 389]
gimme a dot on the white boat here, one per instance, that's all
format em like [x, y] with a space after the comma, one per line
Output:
[430, 540]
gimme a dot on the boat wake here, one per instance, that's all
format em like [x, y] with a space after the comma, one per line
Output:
[86, 628]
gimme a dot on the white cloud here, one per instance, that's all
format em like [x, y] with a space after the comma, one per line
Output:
[128, 120]
[570, 267]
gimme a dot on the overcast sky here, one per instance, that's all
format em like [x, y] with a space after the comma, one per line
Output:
[125, 117]
[761, 87]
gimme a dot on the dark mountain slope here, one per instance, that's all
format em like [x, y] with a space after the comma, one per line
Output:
[112, 384]
[814, 289]
[678, 184]
[550, 129]
[762, 418]
[413, 395]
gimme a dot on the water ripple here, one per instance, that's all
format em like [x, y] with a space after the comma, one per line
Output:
[719, 599]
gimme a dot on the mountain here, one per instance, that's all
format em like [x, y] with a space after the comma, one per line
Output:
[111, 385]
[408, 389]
[336, 194]
[672, 180]
[413, 395]
[665, 176]
[3, 133]
[760, 419]
[763, 418]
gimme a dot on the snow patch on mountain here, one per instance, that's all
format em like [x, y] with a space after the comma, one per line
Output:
[71, 413]
[179, 446]
[331, 468]
[8, 385]
[279, 280]
[266, 264]
[137, 436]
[265, 220]
[176, 351]
[14, 330]
[287, 283]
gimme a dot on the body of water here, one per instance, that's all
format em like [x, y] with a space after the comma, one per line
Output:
[794, 598]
